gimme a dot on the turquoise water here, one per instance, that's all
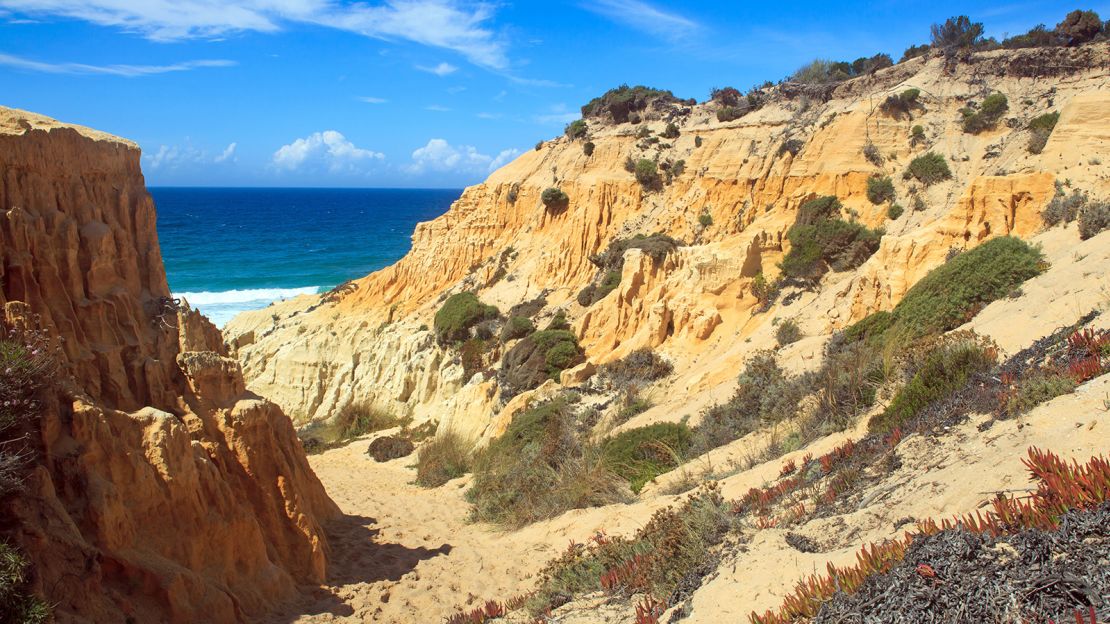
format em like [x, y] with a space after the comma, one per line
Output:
[228, 250]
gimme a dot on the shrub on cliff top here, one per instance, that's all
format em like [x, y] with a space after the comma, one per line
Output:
[540, 468]
[458, 315]
[957, 33]
[928, 168]
[620, 103]
[576, 129]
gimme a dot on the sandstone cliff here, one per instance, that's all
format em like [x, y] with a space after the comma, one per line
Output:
[369, 339]
[159, 488]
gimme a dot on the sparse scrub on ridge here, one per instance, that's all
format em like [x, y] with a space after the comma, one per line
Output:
[929, 168]
[913, 52]
[1040, 128]
[821, 241]
[576, 129]
[621, 103]
[539, 468]
[880, 189]
[1063, 208]
[954, 292]
[443, 458]
[458, 315]
[1034, 390]
[670, 131]
[956, 33]
[821, 71]
[986, 118]
[894, 211]
[641, 454]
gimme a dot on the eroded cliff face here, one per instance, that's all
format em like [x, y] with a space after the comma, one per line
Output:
[369, 340]
[159, 488]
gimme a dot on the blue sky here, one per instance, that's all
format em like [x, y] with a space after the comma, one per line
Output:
[410, 93]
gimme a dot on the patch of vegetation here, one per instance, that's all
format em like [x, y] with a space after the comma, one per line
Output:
[880, 189]
[353, 421]
[637, 368]
[872, 154]
[990, 111]
[821, 241]
[1094, 218]
[788, 332]
[540, 468]
[537, 358]
[917, 135]
[793, 146]
[514, 192]
[554, 199]
[901, 104]
[1036, 389]
[894, 211]
[639, 455]
[539, 145]
[588, 148]
[943, 372]
[1080, 27]
[647, 174]
[517, 327]
[705, 219]
[697, 141]
[620, 103]
[667, 557]
[387, 448]
[928, 168]
[954, 292]
[1040, 128]
[18, 604]
[458, 315]
[1063, 208]
[821, 71]
[611, 262]
[576, 129]
[727, 96]
[671, 131]
[957, 33]
[913, 52]
[445, 457]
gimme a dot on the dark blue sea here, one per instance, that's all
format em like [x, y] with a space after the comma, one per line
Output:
[228, 250]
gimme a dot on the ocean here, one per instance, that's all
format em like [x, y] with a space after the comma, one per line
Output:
[228, 250]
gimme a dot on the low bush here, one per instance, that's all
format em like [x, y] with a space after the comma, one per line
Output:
[1034, 390]
[957, 33]
[588, 148]
[1080, 27]
[517, 327]
[943, 372]
[788, 332]
[913, 52]
[647, 174]
[639, 455]
[1063, 208]
[705, 219]
[637, 368]
[387, 448]
[900, 104]
[1040, 128]
[540, 468]
[445, 457]
[537, 358]
[894, 211]
[458, 315]
[872, 154]
[576, 129]
[729, 113]
[554, 199]
[353, 421]
[727, 96]
[929, 168]
[990, 111]
[671, 131]
[880, 189]
[917, 135]
[954, 292]
[793, 146]
[624, 102]
[26, 369]
[820, 241]
[1094, 218]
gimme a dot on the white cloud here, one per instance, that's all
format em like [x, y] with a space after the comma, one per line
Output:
[643, 16]
[228, 152]
[489, 115]
[372, 100]
[448, 24]
[127, 71]
[557, 114]
[439, 155]
[328, 149]
[440, 70]
[173, 157]
[437, 108]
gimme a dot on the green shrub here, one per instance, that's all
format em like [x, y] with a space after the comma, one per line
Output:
[1080, 27]
[26, 369]
[957, 33]
[788, 332]
[539, 468]
[954, 292]
[697, 141]
[1094, 218]
[458, 315]
[677, 168]
[705, 219]
[913, 52]
[539, 145]
[639, 455]
[1040, 128]
[917, 135]
[554, 199]
[729, 113]
[647, 173]
[1036, 389]
[18, 604]
[446, 457]
[944, 371]
[623, 102]
[727, 96]
[1063, 208]
[353, 421]
[894, 211]
[880, 189]
[588, 148]
[576, 129]
[517, 327]
[929, 168]
[900, 104]
[821, 241]
[872, 154]
[537, 358]
[671, 131]
[821, 71]
[990, 111]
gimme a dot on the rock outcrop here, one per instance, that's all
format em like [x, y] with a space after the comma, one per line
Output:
[160, 490]
[737, 195]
